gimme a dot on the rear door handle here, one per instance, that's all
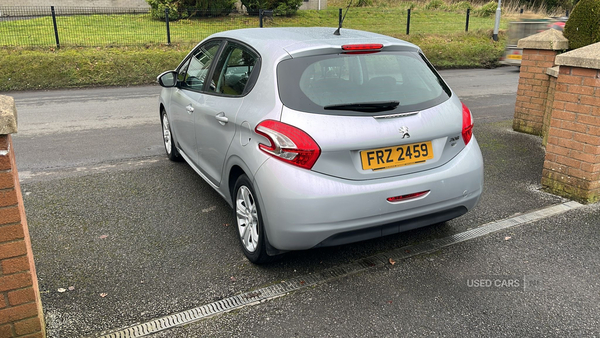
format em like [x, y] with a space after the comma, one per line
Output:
[189, 108]
[222, 118]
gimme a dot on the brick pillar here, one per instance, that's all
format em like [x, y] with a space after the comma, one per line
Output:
[553, 72]
[539, 52]
[20, 305]
[572, 164]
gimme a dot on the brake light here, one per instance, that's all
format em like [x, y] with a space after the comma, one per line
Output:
[467, 125]
[362, 48]
[288, 144]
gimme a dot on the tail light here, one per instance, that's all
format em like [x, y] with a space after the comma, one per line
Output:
[288, 144]
[364, 48]
[467, 126]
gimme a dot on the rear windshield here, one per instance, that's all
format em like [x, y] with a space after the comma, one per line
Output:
[339, 83]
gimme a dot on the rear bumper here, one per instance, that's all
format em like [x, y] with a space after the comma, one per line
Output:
[512, 56]
[302, 209]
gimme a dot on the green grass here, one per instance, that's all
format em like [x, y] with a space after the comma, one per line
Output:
[81, 67]
[112, 30]
[27, 69]
[130, 49]
[461, 50]
[141, 29]
[390, 21]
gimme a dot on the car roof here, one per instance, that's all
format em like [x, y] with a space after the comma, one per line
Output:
[303, 41]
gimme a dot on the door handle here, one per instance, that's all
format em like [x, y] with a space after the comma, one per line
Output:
[222, 118]
[189, 108]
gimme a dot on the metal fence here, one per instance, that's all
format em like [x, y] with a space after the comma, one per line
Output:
[96, 27]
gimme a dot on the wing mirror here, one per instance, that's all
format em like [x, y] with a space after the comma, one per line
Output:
[167, 79]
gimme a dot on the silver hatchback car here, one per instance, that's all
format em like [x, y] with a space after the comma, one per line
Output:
[318, 139]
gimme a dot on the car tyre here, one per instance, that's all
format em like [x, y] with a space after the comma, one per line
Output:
[249, 222]
[169, 142]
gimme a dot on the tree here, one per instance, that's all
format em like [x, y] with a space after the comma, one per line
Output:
[181, 9]
[279, 7]
[551, 5]
[583, 26]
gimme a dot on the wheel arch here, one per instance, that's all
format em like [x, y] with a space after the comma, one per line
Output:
[234, 173]
[161, 109]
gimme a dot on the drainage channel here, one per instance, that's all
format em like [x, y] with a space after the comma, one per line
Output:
[283, 288]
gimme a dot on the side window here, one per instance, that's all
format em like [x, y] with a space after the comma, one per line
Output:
[195, 73]
[233, 70]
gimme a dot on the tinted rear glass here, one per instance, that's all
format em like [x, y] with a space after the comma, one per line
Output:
[312, 83]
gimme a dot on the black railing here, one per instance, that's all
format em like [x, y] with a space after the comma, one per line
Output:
[95, 27]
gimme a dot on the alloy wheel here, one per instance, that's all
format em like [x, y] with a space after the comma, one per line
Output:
[247, 218]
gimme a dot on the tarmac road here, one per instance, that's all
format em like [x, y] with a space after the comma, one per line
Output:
[80, 127]
[139, 237]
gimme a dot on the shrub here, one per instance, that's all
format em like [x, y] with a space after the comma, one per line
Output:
[462, 6]
[364, 3]
[157, 9]
[435, 4]
[550, 5]
[583, 26]
[486, 10]
[411, 5]
[554, 5]
[279, 7]
[181, 9]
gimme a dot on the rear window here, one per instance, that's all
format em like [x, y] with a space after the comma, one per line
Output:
[318, 83]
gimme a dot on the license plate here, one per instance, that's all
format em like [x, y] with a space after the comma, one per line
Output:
[391, 157]
[514, 57]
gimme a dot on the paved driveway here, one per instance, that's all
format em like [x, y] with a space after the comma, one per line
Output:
[137, 237]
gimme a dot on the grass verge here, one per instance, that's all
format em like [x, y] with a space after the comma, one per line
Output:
[461, 50]
[84, 67]
[141, 29]
[34, 69]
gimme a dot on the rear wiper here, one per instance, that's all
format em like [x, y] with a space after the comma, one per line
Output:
[365, 106]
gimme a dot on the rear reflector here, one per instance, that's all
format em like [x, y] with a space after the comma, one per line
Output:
[362, 47]
[407, 196]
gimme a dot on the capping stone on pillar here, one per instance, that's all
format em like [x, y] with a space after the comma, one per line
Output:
[539, 52]
[20, 304]
[572, 164]
[8, 115]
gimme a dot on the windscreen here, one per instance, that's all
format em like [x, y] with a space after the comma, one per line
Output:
[356, 84]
